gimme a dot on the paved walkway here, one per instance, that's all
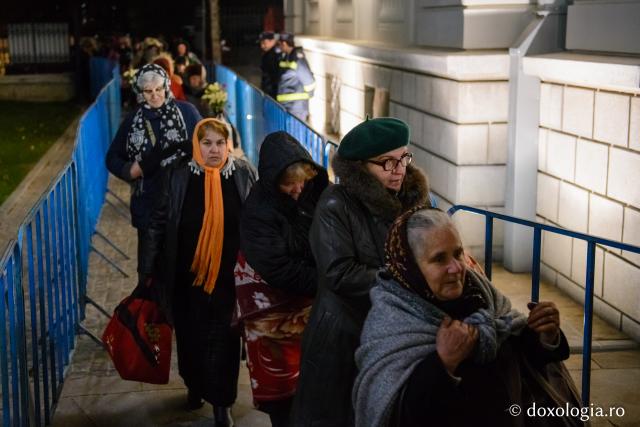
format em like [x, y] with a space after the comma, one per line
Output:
[94, 395]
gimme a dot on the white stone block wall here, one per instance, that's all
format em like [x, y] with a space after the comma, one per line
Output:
[458, 126]
[589, 181]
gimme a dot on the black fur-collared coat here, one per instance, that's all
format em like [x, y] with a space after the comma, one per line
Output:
[347, 239]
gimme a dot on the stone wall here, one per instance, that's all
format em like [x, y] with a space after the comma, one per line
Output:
[589, 176]
[455, 103]
[37, 87]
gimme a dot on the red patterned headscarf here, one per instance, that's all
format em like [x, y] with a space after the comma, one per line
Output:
[401, 265]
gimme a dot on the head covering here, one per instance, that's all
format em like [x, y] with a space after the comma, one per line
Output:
[173, 128]
[206, 260]
[267, 35]
[193, 70]
[166, 63]
[143, 73]
[287, 37]
[374, 137]
[401, 265]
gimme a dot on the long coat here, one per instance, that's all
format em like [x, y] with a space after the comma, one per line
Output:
[347, 238]
[159, 254]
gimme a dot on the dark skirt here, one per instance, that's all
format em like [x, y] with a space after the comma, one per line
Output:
[208, 347]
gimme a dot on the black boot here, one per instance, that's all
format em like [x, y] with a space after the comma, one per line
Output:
[222, 417]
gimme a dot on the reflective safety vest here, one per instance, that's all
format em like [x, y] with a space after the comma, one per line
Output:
[296, 79]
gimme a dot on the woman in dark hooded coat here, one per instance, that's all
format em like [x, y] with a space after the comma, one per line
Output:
[377, 184]
[275, 239]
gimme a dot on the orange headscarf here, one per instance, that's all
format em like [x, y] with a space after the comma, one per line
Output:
[206, 260]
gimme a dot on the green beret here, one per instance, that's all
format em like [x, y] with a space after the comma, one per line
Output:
[374, 137]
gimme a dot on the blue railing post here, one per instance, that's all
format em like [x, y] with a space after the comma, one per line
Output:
[588, 323]
[488, 246]
[535, 265]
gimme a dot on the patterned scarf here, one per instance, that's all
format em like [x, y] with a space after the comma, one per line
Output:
[401, 265]
[173, 129]
[206, 260]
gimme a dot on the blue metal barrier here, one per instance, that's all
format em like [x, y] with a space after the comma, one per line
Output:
[592, 241]
[227, 79]
[48, 265]
[256, 115]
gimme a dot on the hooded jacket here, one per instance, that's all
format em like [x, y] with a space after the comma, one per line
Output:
[347, 238]
[274, 229]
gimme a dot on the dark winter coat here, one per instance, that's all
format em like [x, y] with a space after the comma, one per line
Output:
[270, 71]
[347, 238]
[275, 228]
[119, 163]
[161, 245]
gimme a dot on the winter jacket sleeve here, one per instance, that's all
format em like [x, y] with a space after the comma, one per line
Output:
[334, 248]
[191, 117]
[305, 75]
[118, 162]
[268, 253]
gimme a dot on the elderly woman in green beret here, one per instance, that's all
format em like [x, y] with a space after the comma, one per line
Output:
[377, 184]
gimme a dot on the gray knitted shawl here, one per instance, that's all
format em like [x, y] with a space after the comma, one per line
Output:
[400, 332]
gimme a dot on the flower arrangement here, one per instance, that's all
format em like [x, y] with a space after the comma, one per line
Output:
[216, 97]
[130, 76]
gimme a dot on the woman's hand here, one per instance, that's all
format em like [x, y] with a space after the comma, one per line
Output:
[136, 170]
[454, 342]
[544, 319]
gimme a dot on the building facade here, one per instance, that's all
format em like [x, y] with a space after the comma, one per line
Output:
[531, 108]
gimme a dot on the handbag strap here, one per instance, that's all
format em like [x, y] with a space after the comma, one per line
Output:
[129, 321]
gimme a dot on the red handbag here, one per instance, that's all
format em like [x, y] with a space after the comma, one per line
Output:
[138, 339]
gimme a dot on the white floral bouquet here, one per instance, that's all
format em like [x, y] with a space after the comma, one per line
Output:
[215, 95]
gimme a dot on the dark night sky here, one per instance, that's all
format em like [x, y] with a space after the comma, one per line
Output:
[140, 17]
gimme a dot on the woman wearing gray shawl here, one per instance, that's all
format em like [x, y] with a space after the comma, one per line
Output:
[442, 347]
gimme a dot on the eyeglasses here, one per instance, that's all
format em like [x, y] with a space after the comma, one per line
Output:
[392, 164]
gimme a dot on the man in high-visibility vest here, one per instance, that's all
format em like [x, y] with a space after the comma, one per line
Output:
[297, 83]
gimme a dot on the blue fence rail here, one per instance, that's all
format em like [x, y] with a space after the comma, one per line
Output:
[592, 241]
[43, 273]
[255, 115]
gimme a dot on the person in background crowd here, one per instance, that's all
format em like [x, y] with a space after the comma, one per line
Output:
[156, 130]
[87, 48]
[377, 184]
[271, 55]
[182, 49]
[125, 52]
[442, 346]
[275, 240]
[165, 61]
[180, 64]
[151, 47]
[194, 85]
[296, 84]
[189, 258]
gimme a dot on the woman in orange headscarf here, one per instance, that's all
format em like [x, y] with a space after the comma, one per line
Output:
[193, 241]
